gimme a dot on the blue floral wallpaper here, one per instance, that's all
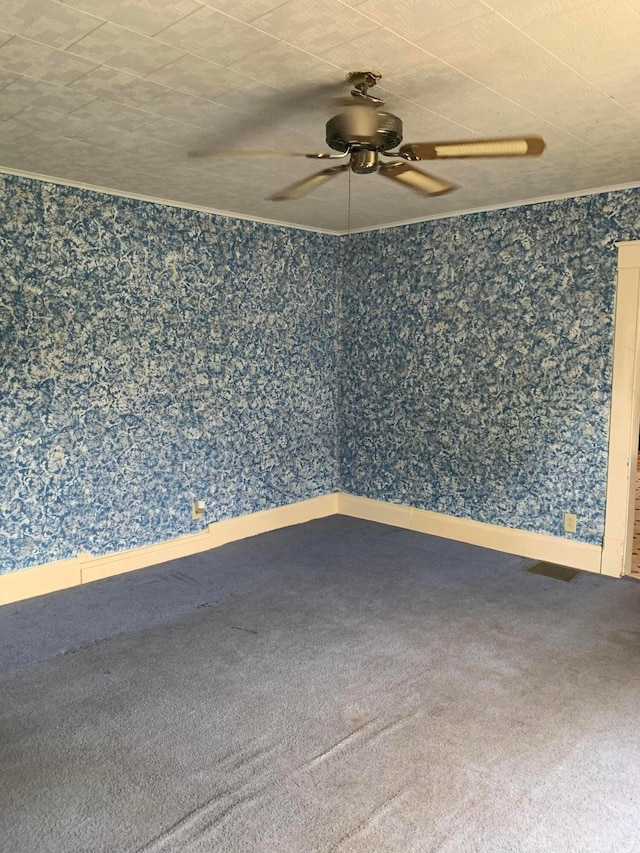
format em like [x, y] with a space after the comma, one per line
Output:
[476, 362]
[151, 355]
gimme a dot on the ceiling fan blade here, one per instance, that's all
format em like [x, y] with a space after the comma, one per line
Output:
[212, 152]
[415, 179]
[524, 146]
[306, 185]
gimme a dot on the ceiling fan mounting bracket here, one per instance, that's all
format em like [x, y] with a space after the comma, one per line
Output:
[364, 80]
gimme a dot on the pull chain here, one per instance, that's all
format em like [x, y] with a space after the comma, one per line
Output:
[349, 206]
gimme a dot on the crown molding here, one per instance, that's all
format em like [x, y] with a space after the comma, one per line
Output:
[506, 206]
[334, 233]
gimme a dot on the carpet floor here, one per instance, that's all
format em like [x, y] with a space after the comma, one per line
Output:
[337, 686]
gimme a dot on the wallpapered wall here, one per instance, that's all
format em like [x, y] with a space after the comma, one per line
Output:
[477, 357]
[150, 355]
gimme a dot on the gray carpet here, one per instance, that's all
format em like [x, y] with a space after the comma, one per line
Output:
[336, 686]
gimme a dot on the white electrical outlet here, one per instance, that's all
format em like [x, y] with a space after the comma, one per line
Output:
[197, 509]
[570, 522]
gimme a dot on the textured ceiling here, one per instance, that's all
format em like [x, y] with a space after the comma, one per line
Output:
[114, 94]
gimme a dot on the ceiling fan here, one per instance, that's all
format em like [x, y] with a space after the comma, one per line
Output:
[365, 134]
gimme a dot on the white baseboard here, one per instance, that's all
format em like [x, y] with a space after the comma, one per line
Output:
[85, 568]
[538, 546]
[39, 580]
[49, 577]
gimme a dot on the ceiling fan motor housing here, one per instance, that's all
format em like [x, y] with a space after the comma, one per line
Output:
[364, 129]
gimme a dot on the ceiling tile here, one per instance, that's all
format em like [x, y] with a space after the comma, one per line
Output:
[378, 50]
[143, 16]
[118, 86]
[415, 19]
[282, 65]
[314, 26]
[46, 121]
[52, 151]
[523, 12]
[187, 136]
[106, 176]
[308, 121]
[634, 107]
[479, 110]
[7, 77]
[190, 109]
[183, 181]
[46, 21]
[101, 111]
[122, 49]
[563, 147]
[600, 41]
[18, 155]
[603, 177]
[419, 123]
[162, 161]
[152, 153]
[257, 108]
[198, 77]
[12, 130]
[614, 135]
[248, 103]
[279, 168]
[477, 46]
[571, 103]
[112, 137]
[278, 138]
[214, 36]
[107, 162]
[419, 83]
[287, 169]
[440, 89]
[42, 62]
[11, 103]
[493, 52]
[49, 96]
[250, 100]
[244, 10]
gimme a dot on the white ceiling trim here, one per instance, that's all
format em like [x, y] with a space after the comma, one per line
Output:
[230, 215]
[163, 201]
[524, 203]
